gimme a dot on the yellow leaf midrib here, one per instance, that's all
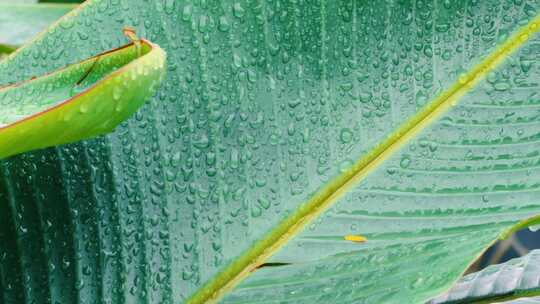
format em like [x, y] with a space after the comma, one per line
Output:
[242, 266]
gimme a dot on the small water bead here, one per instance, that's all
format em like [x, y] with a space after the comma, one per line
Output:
[346, 135]
[117, 92]
[534, 228]
[405, 161]
[463, 78]
[238, 10]
[345, 165]
[187, 13]
[502, 86]
[224, 24]
[83, 108]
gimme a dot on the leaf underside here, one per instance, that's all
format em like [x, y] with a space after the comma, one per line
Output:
[516, 278]
[264, 104]
[524, 300]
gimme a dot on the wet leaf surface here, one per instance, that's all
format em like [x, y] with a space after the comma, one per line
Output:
[265, 103]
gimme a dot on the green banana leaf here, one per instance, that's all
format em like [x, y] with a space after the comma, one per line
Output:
[80, 101]
[21, 21]
[516, 278]
[368, 123]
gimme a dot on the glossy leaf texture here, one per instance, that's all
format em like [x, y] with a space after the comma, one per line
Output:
[512, 279]
[20, 22]
[435, 204]
[265, 103]
[80, 101]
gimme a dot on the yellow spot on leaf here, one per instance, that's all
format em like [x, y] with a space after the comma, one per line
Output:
[355, 238]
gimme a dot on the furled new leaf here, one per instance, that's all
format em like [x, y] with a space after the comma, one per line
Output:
[80, 101]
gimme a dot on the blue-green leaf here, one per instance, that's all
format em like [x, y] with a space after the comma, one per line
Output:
[271, 113]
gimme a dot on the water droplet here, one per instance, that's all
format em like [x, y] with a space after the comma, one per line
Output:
[463, 78]
[238, 10]
[405, 161]
[346, 135]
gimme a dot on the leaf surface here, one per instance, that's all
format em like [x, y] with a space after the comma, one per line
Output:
[265, 104]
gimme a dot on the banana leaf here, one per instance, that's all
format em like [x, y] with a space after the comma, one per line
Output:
[297, 152]
[79, 101]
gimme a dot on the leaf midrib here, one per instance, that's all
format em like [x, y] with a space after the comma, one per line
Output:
[242, 266]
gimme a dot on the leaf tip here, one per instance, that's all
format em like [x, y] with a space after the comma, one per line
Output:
[130, 33]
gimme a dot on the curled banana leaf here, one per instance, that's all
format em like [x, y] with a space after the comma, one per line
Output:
[80, 101]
